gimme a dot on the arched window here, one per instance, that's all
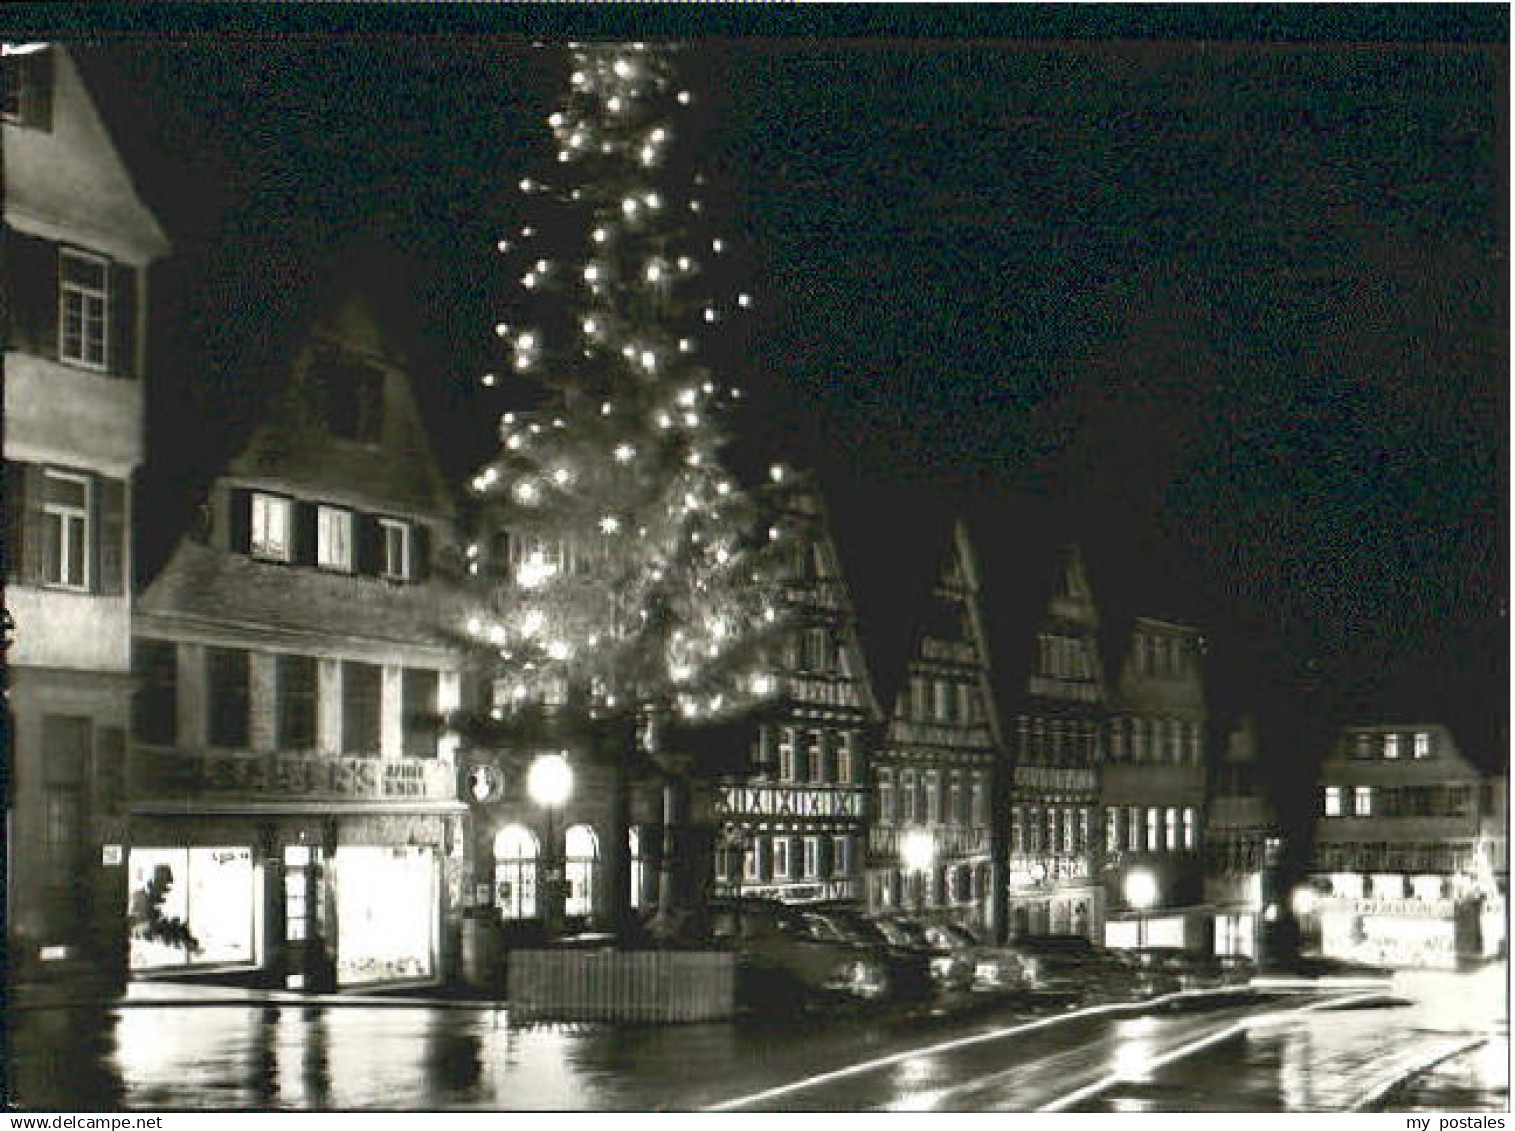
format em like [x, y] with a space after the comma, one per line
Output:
[515, 872]
[581, 851]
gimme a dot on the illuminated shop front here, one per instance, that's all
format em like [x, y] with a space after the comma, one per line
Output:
[193, 907]
[386, 905]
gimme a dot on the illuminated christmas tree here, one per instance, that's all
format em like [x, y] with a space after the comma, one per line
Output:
[629, 573]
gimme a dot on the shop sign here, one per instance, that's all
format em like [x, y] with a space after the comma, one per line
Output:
[335, 777]
[1391, 908]
[798, 802]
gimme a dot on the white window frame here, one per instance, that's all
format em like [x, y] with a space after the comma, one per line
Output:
[94, 309]
[1133, 829]
[264, 506]
[812, 860]
[786, 755]
[750, 870]
[1171, 825]
[844, 758]
[1391, 746]
[1189, 827]
[328, 521]
[1362, 801]
[888, 808]
[1422, 744]
[73, 523]
[782, 864]
[907, 796]
[388, 526]
[841, 855]
[1331, 803]
[1153, 830]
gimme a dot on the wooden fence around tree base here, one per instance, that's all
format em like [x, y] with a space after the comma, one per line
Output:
[622, 985]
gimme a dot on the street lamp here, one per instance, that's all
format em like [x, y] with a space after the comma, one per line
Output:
[1141, 894]
[550, 782]
[918, 853]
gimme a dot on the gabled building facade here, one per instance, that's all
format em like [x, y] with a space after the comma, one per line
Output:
[1152, 789]
[1055, 709]
[79, 241]
[797, 829]
[1402, 872]
[293, 800]
[932, 849]
[1241, 847]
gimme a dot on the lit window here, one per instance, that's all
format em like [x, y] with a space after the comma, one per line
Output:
[334, 538]
[1152, 829]
[66, 529]
[844, 759]
[1189, 819]
[271, 527]
[396, 536]
[1333, 801]
[750, 862]
[1112, 830]
[1133, 829]
[1362, 801]
[1422, 745]
[83, 314]
[786, 756]
[812, 857]
[1391, 746]
[1172, 828]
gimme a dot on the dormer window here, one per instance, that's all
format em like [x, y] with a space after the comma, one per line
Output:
[396, 537]
[272, 518]
[1391, 746]
[334, 538]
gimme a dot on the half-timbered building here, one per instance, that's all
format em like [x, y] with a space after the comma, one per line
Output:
[931, 848]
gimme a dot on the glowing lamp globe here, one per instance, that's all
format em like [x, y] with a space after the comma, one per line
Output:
[1141, 889]
[550, 780]
[917, 850]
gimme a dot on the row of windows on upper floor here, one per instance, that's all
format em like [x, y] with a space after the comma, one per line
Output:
[65, 528]
[71, 304]
[278, 528]
[1397, 801]
[821, 756]
[779, 857]
[907, 794]
[1382, 857]
[291, 701]
[1391, 745]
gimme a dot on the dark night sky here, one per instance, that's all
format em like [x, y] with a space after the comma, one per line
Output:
[1244, 303]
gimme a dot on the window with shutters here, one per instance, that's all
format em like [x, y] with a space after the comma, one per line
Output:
[422, 725]
[360, 708]
[295, 677]
[66, 529]
[227, 676]
[272, 527]
[27, 97]
[155, 703]
[83, 309]
[395, 558]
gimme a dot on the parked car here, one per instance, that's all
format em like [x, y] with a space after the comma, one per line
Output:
[909, 967]
[1071, 964]
[995, 968]
[783, 958]
[1192, 971]
[950, 967]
